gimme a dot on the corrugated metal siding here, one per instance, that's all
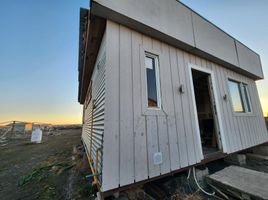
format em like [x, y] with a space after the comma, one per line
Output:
[95, 122]
[132, 136]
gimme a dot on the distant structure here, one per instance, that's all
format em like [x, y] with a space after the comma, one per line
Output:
[163, 89]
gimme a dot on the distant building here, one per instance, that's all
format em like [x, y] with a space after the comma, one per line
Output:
[163, 89]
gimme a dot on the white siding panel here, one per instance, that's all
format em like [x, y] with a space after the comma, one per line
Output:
[163, 143]
[140, 143]
[152, 143]
[126, 109]
[111, 119]
[177, 142]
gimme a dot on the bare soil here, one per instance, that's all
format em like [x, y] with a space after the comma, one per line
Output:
[53, 169]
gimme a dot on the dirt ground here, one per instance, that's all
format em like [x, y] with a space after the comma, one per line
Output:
[51, 170]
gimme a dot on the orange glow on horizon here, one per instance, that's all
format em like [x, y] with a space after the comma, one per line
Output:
[46, 120]
[264, 104]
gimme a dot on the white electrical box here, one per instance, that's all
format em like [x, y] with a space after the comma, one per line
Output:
[158, 158]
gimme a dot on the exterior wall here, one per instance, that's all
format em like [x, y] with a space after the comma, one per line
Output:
[176, 24]
[132, 135]
[93, 119]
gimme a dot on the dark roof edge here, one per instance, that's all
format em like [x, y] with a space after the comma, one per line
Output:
[90, 36]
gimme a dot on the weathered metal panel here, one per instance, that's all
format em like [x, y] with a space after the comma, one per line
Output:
[214, 41]
[93, 124]
[249, 60]
[176, 24]
[158, 14]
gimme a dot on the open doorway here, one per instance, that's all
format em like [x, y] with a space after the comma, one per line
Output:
[206, 112]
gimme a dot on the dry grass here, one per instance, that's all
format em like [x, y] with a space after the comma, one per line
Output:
[182, 196]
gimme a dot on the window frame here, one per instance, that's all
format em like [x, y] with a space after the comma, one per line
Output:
[157, 80]
[146, 111]
[247, 107]
[246, 97]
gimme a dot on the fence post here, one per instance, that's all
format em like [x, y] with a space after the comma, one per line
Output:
[12, 129]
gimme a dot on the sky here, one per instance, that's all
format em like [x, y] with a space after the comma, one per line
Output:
[38, 60]
[39, 51]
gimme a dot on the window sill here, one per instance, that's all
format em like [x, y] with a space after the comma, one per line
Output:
[245, 114]
[154, 112]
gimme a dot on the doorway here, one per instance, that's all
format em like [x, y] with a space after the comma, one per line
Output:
[206, 112]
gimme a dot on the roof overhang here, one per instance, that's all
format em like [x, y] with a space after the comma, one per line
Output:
[176, 24]
[91, 32]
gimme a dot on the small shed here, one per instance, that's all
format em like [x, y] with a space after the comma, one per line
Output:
[163, 89]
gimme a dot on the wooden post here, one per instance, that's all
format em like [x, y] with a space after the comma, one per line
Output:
[12, 129]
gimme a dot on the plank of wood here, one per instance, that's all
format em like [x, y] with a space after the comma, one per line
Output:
[185, 107]
[178, 147]
[111, 118]
[140, 144]
[242, 180]
[126, 108]
[195, 153]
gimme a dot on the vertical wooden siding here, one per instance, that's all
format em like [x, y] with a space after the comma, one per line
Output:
[98, 97]
[132, 137]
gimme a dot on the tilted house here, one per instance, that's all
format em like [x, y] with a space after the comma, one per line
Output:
[163, 89]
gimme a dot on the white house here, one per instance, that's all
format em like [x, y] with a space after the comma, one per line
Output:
[163, 89]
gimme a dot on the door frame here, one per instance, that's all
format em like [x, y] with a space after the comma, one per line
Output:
[215, 94]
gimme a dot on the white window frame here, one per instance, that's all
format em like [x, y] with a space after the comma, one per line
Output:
[243, 97]
[157, 79]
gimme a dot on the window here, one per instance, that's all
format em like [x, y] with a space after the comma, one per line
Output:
[246, 97]
[152, 78]
[239, 96]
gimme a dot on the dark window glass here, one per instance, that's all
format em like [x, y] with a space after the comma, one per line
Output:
[152, 93]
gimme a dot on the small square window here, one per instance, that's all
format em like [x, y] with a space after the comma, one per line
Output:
[152, 80]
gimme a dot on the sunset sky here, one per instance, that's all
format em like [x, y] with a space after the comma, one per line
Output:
[39, 50]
